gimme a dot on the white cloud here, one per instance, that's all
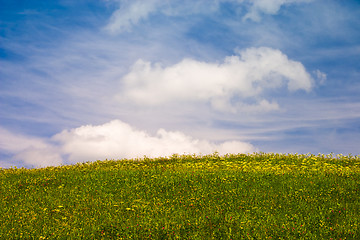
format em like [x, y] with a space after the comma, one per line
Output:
[225, 85]
[112, 140]
[130, 14]
[321, 77]
[40, 157]
[272, 7]
[30, 150]
[116, 139]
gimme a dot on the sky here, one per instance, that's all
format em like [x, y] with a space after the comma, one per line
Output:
[91, 80]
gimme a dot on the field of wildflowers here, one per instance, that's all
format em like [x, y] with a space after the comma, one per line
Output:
[244, 196]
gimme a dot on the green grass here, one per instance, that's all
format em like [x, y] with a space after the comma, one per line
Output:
[254, 196]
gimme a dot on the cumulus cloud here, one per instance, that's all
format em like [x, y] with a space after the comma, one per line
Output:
[225, 85]
[112, 140]
[267, 7]
[117, 139]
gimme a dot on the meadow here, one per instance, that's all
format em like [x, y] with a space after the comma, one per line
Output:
[243, 196]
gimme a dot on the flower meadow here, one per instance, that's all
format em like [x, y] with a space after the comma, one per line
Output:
[242, 196]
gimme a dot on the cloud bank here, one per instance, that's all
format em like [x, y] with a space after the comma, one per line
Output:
[227, 85]
[112, 140]
[117, 139]
[29, 150]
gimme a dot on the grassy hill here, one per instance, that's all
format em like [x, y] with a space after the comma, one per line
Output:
[244, 196]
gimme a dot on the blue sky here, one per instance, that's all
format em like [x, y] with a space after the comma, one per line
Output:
[87, 80]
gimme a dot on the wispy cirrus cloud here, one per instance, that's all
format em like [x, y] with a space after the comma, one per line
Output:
[260, 7]
[131, 13]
